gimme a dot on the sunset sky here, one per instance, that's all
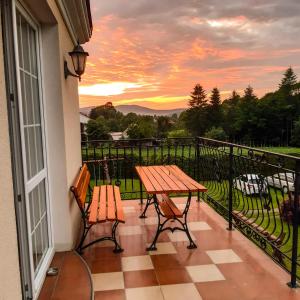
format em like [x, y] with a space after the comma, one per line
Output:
[153, 52]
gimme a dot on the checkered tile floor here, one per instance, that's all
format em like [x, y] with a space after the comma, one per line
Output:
[224, 266]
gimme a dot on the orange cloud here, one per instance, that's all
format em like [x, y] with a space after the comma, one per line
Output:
[156, 61]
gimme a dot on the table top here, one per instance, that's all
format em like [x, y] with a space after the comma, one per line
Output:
[167, 179]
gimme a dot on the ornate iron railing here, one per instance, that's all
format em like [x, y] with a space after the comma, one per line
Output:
[254, 190]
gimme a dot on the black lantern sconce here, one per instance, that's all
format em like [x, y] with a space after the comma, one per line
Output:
[78, 56]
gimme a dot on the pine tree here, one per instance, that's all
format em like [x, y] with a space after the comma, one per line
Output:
[215, 112]
[288, 81]
[198, 97]
[215, 99]
[249, 94]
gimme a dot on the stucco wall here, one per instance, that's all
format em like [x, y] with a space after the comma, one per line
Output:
[66, 218]
[10, 288]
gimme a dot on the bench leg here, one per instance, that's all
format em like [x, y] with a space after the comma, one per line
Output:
[149, 202]
[112, 238]
[118, 248]
[86, 229]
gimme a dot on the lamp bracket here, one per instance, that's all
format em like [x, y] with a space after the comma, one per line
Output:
[67, 72]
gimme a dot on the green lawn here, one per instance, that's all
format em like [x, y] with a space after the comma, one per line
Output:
[293, 151]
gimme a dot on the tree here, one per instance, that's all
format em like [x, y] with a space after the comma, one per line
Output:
[144, 128]
[215, 112]
[198, 97]
[288, 82]
[107, 111]
[296, 134]
[230, 115]
[164, 124]
[97, 129]
[216, 133]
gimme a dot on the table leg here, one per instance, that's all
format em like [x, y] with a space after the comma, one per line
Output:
[149, 202]
[160, 226]
[192, 245]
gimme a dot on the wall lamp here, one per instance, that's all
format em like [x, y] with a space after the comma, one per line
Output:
[78, 56]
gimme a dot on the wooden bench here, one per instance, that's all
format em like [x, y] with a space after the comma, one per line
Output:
[104, 206]
[168, 207]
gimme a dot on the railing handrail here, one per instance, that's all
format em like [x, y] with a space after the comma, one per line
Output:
[250, 148]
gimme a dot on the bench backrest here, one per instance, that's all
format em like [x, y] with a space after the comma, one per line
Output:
[81, 186]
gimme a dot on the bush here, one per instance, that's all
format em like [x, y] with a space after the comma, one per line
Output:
[216, 133]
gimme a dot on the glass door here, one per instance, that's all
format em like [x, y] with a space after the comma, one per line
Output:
[33, 143]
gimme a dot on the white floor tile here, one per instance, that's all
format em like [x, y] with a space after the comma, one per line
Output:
[149, 221]
[108, 281]
[182, 206]
[223, 256]
[180, 292]
[163, 248]
[135, 263]
[198, 226]
[129, 209]
[144, 293]
[205, 273]
[130, 230]
[180, 236]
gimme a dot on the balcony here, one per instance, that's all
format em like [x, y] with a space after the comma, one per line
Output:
[250, 191]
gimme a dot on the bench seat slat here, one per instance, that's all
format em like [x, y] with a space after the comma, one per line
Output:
[120, 214]
[167, 211]
[102, 205]
[111, 206]
[93, 217]
[173, 207]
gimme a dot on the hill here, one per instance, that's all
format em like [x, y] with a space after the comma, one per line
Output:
[139, 110]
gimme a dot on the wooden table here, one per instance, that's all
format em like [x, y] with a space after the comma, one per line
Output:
[159, 182]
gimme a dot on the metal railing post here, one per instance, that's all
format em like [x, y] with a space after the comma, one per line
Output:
[198, 164]
[230, 186]
[140, 163]
[293, 283]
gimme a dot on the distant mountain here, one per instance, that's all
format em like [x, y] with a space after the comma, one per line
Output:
[139, 110]
[86, 110]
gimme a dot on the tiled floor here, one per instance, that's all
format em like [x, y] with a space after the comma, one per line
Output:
[224, 266]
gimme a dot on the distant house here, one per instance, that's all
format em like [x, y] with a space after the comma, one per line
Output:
[116, 136]
[83, 122]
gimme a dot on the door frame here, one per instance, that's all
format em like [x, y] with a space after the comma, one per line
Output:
[31, 284]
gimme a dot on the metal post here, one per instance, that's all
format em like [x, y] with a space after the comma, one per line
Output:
[293, 283]
[230, 188]
[198, 164]
[140, 163]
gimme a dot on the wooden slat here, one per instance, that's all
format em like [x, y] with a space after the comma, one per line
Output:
[164, 184]
[120, 213]
[198, 185]
[146, 182]
[93, 217]
[167, 211]
[173, 207]
[79, 181]
[181, 186]
[166, 178]
[84, 189]
[188, 181]
[102, 204]
[111, 206]
[157, 187]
